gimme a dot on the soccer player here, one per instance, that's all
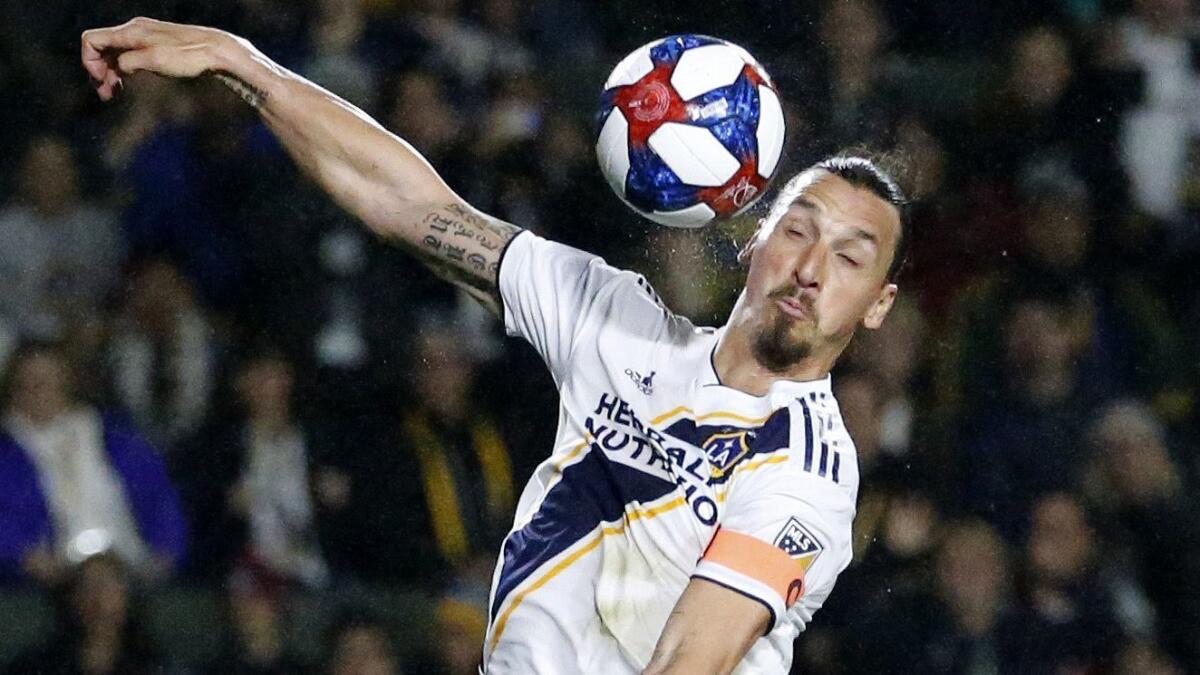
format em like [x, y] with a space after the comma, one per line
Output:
[696, 508]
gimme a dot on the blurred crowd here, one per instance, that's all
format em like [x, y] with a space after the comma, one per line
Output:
[215, 380]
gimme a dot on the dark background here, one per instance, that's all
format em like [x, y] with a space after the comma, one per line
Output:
[1025, 421]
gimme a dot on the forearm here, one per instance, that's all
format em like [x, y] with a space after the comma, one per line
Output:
[369, 171]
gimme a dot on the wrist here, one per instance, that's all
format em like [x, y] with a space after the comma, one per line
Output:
[242, 68]
[229, 54]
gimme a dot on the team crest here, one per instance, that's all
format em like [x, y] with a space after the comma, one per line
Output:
[725, 449]
[795, 540]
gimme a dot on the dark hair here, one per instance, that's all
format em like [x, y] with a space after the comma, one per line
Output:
[875, 173]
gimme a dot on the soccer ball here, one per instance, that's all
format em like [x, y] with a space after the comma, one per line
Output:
[690, 130]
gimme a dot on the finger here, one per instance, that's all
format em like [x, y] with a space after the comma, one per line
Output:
[109, 86]
[137, 59]
[129, 35]
[93, 60]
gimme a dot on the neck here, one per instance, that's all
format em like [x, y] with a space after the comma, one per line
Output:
[737, 367]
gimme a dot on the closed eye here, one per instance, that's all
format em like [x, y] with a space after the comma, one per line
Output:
[851, 261]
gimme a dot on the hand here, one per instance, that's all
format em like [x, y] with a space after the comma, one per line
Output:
[41, 565]
[169, 49]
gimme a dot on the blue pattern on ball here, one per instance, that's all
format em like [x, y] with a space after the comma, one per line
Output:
[742, 97]
[608, 101]
[736, 129]
[669, 50]
[652, 186]
[737, 138]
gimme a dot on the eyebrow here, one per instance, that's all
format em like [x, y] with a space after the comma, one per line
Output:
[862, 234]
[859, 233]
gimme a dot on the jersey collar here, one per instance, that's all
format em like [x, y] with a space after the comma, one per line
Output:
[781, 392]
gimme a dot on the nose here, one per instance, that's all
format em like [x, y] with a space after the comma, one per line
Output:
[809, 273]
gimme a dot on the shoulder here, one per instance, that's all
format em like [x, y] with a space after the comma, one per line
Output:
[812, 439]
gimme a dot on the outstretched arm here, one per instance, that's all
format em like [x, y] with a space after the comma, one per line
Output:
[371, 172]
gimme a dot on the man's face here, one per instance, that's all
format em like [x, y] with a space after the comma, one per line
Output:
[818, 268]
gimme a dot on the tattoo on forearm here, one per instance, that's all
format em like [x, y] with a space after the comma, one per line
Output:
[253, 96]
[462, 246]
[438, 222]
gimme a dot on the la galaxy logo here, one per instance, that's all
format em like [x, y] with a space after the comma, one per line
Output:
[723, 450]
[644, 384]
[796, 541]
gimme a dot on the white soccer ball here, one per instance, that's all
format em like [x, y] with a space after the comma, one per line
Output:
[690, 130]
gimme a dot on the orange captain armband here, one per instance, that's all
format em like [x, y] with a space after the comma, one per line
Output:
[767, 564]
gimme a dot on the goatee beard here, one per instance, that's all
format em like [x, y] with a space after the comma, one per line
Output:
[776, 350]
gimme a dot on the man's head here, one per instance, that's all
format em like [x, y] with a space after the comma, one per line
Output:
[38, 382]
[824, 259]
[49, 175]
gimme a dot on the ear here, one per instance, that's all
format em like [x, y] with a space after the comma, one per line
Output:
[747, 251]
[880, 308]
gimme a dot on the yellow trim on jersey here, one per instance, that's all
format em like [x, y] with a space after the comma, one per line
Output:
[572, 455]
[579, 553]
[717, 413]
[751, 466]
[648, 514]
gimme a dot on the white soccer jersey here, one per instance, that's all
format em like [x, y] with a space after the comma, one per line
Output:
[659, 474]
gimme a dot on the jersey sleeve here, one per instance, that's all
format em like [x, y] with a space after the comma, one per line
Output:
[784, 539]
[548, 290]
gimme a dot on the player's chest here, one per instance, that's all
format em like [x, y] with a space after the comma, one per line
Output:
[673, 430]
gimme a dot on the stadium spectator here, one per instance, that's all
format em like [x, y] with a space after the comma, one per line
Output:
[415, 105]
[1048, 111]
[848, 84]
[255, 642]
[335, 64]
[1152, 524]
[461, 615]
[1158, 137]
[197, 190]
[1028, 440]
[360, 644]
[466, 49]
[1143, 659]
[99, 629]
[1067, 614]
[1128, 343]
[61, 252]
[76, 482]
[163, 356]
[893, 356]
[248, 481]
[957, 624]
[438, 492]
